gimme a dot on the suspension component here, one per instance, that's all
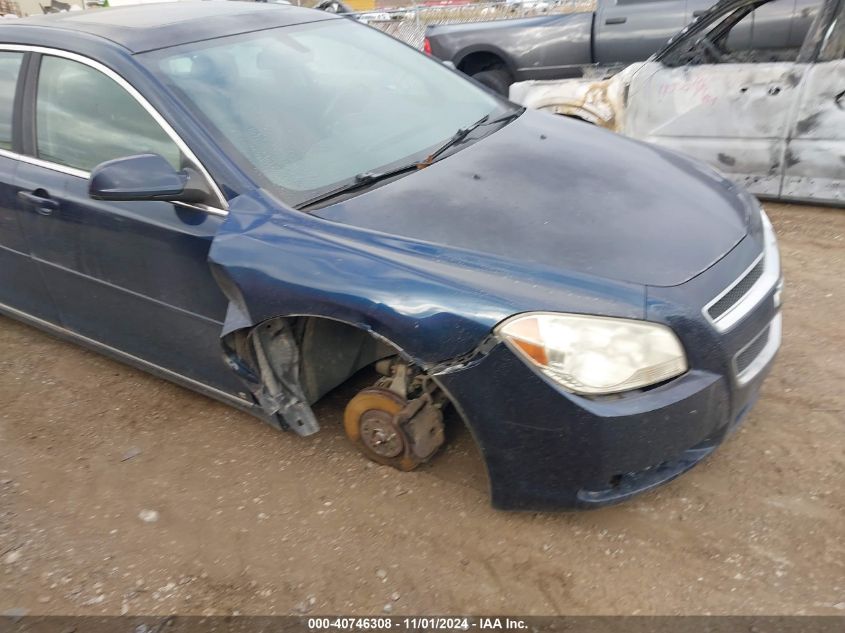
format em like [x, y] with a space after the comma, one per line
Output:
[391, 430]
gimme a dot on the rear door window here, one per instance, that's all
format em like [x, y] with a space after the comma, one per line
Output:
[10, 66]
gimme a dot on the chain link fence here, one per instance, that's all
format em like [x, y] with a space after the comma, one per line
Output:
[409, 24]
[9, 8]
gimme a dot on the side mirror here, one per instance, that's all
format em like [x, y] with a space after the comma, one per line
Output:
[146, 177]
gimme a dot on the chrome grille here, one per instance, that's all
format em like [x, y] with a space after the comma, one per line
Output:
[751, 351]
[737, 291]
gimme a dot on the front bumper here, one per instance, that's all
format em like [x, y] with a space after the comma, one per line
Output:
[547, 449]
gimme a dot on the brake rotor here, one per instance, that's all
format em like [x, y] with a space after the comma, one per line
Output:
[380, 435]
[370, 423]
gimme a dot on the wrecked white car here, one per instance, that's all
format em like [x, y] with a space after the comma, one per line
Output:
[770, 119]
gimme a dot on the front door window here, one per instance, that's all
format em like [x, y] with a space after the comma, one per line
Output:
[84, 118]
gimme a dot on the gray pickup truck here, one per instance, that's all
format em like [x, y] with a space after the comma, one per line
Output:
[619, 32]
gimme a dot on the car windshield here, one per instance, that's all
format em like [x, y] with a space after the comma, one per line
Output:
[307, 108]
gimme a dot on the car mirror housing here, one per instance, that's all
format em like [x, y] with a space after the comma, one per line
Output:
[146, 177]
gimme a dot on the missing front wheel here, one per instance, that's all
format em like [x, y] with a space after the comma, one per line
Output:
[391, 428]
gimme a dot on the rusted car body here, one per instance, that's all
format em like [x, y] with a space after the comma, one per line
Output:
[770, 119]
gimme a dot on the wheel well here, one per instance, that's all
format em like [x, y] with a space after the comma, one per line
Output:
[331, 352]
[578, 118]
[327, 352]
[481, 60]
[305, 357]
[308, 356]
[574, 111]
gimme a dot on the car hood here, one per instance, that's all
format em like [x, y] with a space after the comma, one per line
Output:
[566, 195]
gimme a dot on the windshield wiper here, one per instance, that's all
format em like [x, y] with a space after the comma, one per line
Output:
[463, 132]
[358, 182]
[370, 178]
[457, 137]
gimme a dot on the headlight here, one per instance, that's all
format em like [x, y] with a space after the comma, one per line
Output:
[770, 246]
[772, 255]
[595, 355]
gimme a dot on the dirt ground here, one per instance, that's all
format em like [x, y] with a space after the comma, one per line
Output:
[120, 492]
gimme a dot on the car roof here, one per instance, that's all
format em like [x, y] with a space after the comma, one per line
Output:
[147, 27]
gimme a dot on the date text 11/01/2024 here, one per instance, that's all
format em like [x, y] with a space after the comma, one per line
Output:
[428, 623]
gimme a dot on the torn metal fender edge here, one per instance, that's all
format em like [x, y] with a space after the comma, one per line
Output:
[465, 360]
[282, 393]
[265, 357]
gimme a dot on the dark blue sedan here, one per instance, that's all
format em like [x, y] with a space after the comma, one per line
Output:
[259, 201]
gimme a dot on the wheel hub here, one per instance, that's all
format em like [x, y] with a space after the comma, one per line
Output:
[380, 435]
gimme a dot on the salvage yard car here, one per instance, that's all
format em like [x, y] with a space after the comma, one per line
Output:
[617, 33]
[302, 196]
[772, 119]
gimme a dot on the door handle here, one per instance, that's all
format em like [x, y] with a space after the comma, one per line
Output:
[40, 200]
[838, 99]
[774, 90]
[616, 20]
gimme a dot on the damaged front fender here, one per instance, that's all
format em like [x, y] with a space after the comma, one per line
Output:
[271, 262]
[279, 268]
[432, 305]
[600, 102]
